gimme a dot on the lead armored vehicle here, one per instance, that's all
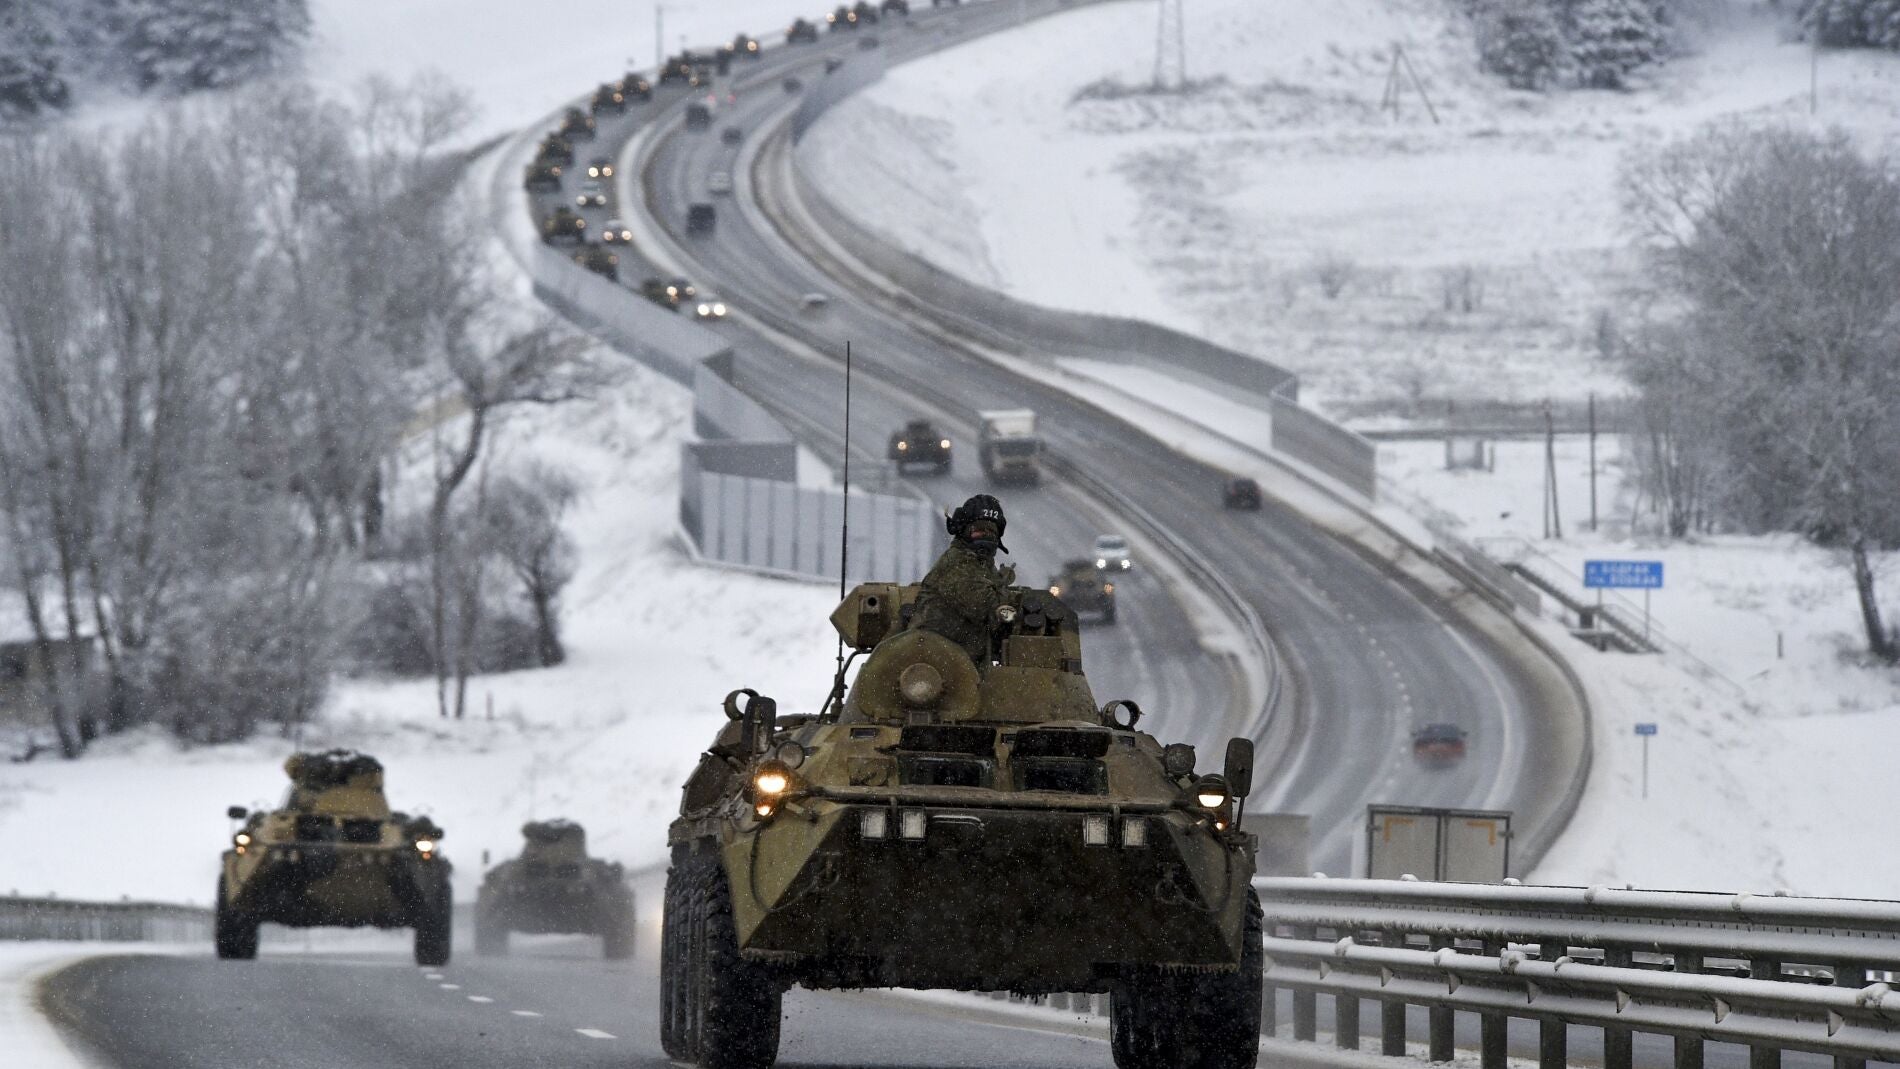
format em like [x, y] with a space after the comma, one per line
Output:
[949, 824]
[554, 887]
[333, 854]
[919, 442]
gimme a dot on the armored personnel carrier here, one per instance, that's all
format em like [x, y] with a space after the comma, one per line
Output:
[600, 260]
[949, 824]
[919, 442]
[333, 855]
[564, 223]
[577, 125]
[609, 97]
[1085, 588]
[555, 887]
[542, 176]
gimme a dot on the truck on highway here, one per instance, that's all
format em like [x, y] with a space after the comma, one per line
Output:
[1008, 445]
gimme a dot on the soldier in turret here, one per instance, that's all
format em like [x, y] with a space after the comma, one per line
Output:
[960, 596]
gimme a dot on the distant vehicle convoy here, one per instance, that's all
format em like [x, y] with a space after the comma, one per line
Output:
[554, 887]
[1008, 446]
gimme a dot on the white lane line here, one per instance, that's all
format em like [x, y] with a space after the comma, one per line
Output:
[480, 998]
[524, 1013]
[595, 1033]
[432, 976]
[450, 987]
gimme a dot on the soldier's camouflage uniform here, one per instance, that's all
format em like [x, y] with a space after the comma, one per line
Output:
[959, 599]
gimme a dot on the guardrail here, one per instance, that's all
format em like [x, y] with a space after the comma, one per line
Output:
[1776, 974]
[123, 922]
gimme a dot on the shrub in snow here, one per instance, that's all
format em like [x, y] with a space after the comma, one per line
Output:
[1334, 271]
[1520, 41]
[1852, 23]
[205, 44]
[30, 80]
[1611, 38]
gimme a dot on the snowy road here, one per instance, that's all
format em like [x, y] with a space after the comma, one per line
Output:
[1370, 656]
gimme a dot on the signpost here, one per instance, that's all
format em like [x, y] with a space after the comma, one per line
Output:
[1644, 575]
[1645, 732]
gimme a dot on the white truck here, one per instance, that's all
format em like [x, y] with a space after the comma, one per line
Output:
[1008, 445]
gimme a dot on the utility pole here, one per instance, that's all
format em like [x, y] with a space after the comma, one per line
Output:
[1170, 48]
[1593, 461]
[1553, 520]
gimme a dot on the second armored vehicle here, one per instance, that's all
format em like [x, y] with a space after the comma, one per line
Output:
[919, 442]
[1083, 588]
[333, 855]
[971, 825]
[555, 887]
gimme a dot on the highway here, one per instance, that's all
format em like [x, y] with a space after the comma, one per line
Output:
[1367, 655]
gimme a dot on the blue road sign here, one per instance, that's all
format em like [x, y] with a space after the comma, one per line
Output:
[1627, 574]
[1645, 729]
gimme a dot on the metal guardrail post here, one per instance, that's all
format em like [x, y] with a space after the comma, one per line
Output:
[1553, 1037]
[1346, 1021]
[1619, 1047]
[1270, 1010]
[1305, 1003]
[1850, 977]
[1764, 1057]
[1439, 1019]
[1688, 1048]
[1392, 1010]
[1494, 1029]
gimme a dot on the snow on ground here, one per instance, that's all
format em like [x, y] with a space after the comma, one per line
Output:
[1228, 211]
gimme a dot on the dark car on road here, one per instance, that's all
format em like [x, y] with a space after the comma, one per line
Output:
[564, 224]
[616, 233]
[920, 442]
[731, 135]
[1439, 745]
[700, 218]
[600, 167]
[600, 260]
[698, 116]
[1241, 493]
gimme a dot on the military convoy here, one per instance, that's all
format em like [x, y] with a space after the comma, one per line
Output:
[542, 176]
[564, 223]
[600, 260]
[554, 887]
[949, 824]
[333, 854]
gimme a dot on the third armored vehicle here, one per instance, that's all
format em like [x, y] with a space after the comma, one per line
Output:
[949, 824]
[919, 442]
[1083, 588]
[333, 854]
[555, 887]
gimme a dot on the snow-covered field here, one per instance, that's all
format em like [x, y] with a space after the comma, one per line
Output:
[1230, 210]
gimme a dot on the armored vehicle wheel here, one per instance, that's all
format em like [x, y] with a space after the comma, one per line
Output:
[491, 935]
[1194, 1021]
[233, 933]
[616, 935]
[674, 1008]
[734, 1005]
[433, 931]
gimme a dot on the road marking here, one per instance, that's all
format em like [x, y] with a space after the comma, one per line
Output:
[524, 1013]
[432, 976]
[450, 987]
[480, 998]
[595, 1033]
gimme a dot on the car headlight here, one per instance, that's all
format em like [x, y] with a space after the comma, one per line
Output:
[425, 847]
[705, 309]
[903, 446]
[771, 780]
[1055, 591]
[1101, 562]
[242, 839]
[1211, 791]
[607, 171]
[1127, 564]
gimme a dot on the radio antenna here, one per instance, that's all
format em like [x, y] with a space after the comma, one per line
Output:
[836, 703]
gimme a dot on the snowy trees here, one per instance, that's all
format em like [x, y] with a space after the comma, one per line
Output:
[1782, 248]
[163, 45]
[1520, 41]
[1851, 23]
[216, 333]
[208, 44]
[1611, 38]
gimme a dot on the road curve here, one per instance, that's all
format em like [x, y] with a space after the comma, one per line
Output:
[1371, 653]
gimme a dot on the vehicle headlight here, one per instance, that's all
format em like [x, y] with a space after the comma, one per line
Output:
[425, 847]
[242, 839]
[903, 446]
[1101, 562]
[945, 444]
[705, 309]
[771, 780]
[1055, 591]
[1127, 564]
[607, 171]
[1211, 791]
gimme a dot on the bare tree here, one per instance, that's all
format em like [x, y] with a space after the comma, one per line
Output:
[526, 511]
[1783, 247]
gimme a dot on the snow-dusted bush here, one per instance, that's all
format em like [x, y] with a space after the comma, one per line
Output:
[1520, 41]
[209, 44]
[1612, 38]
[1853, 23]
[30, 60]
